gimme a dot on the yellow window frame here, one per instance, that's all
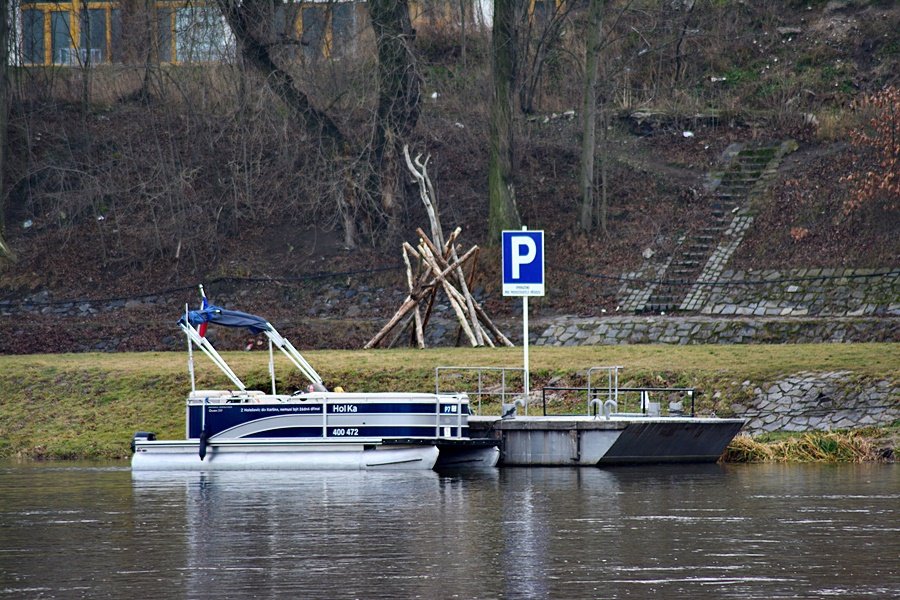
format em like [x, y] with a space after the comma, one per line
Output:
[74, 10]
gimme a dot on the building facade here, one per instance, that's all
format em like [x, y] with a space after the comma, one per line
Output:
[79, 33]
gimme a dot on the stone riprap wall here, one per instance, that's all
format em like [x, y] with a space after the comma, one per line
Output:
[819, 401]
[802, 292]
[574, 331]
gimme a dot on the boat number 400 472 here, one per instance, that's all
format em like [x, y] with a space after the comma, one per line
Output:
[340, 431]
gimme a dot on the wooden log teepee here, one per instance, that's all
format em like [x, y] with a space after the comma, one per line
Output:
[439, 268]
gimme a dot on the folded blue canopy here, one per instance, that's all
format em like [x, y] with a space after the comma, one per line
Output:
[229, 318]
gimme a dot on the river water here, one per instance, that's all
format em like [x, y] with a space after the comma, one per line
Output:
[733, 531]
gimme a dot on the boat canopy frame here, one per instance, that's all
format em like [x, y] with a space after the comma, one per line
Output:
[232, 318]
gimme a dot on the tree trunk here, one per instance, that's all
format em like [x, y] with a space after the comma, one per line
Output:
[542, 39]
[148, 14]
[398, 98]
[462, 32]
[589, 114]
[603, 208]
[688, 6]
[502, 213]
[85, 62]
[4, 107]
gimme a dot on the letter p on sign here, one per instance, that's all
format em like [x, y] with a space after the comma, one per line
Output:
[524, 250]
[523, 263]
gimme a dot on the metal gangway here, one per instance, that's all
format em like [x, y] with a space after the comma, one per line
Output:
[484, 383]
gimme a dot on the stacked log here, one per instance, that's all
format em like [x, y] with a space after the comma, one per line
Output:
[440, 270]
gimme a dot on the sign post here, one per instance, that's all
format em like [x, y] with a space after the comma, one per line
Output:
[523, 275]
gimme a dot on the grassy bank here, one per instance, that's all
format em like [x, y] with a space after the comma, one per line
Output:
[89, 405]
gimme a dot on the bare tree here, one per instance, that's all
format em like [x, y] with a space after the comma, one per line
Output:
[144, 15]
[688, 7]
[250, 22]
[540, 41]
[502, 212]
[85, 60]
[396, 113]
[462, 32]
[398, 97]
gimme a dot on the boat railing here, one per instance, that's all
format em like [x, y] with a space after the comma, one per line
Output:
[628, 401]
[483, 385]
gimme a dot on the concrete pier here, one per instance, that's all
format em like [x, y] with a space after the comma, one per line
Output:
[619, 439]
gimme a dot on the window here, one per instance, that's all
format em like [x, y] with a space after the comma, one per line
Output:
[61, 35]
[279, 21]
[541, 11]
[33, 36]
[284, 21]
[343, 28]
[93, 35]
[313, 31]
[79, 32]
[116, 47]
[199, 34]
[164, 34]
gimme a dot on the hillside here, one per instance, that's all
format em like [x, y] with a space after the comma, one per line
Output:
[117, 210]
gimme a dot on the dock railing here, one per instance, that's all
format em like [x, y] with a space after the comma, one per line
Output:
[630, 401]
[600, 399]
[482, 384]
[602, 396]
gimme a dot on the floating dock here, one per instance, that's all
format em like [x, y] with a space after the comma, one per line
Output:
[598, 441]
[619, 425]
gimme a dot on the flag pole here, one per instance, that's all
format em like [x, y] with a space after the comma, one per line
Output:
[190, 353]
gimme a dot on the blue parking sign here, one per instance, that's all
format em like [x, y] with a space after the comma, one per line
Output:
[523, 263]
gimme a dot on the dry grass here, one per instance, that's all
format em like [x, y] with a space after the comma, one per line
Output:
[754, 361]
[849, 446]
[835, 125]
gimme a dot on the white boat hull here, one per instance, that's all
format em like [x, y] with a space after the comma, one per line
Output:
[468, 458]
[260, 455]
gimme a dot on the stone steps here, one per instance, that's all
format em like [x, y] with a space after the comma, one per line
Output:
[705, 254]
[684, 272]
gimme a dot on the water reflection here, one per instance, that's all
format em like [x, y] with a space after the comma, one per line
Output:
[764, 531]
[551, 520]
